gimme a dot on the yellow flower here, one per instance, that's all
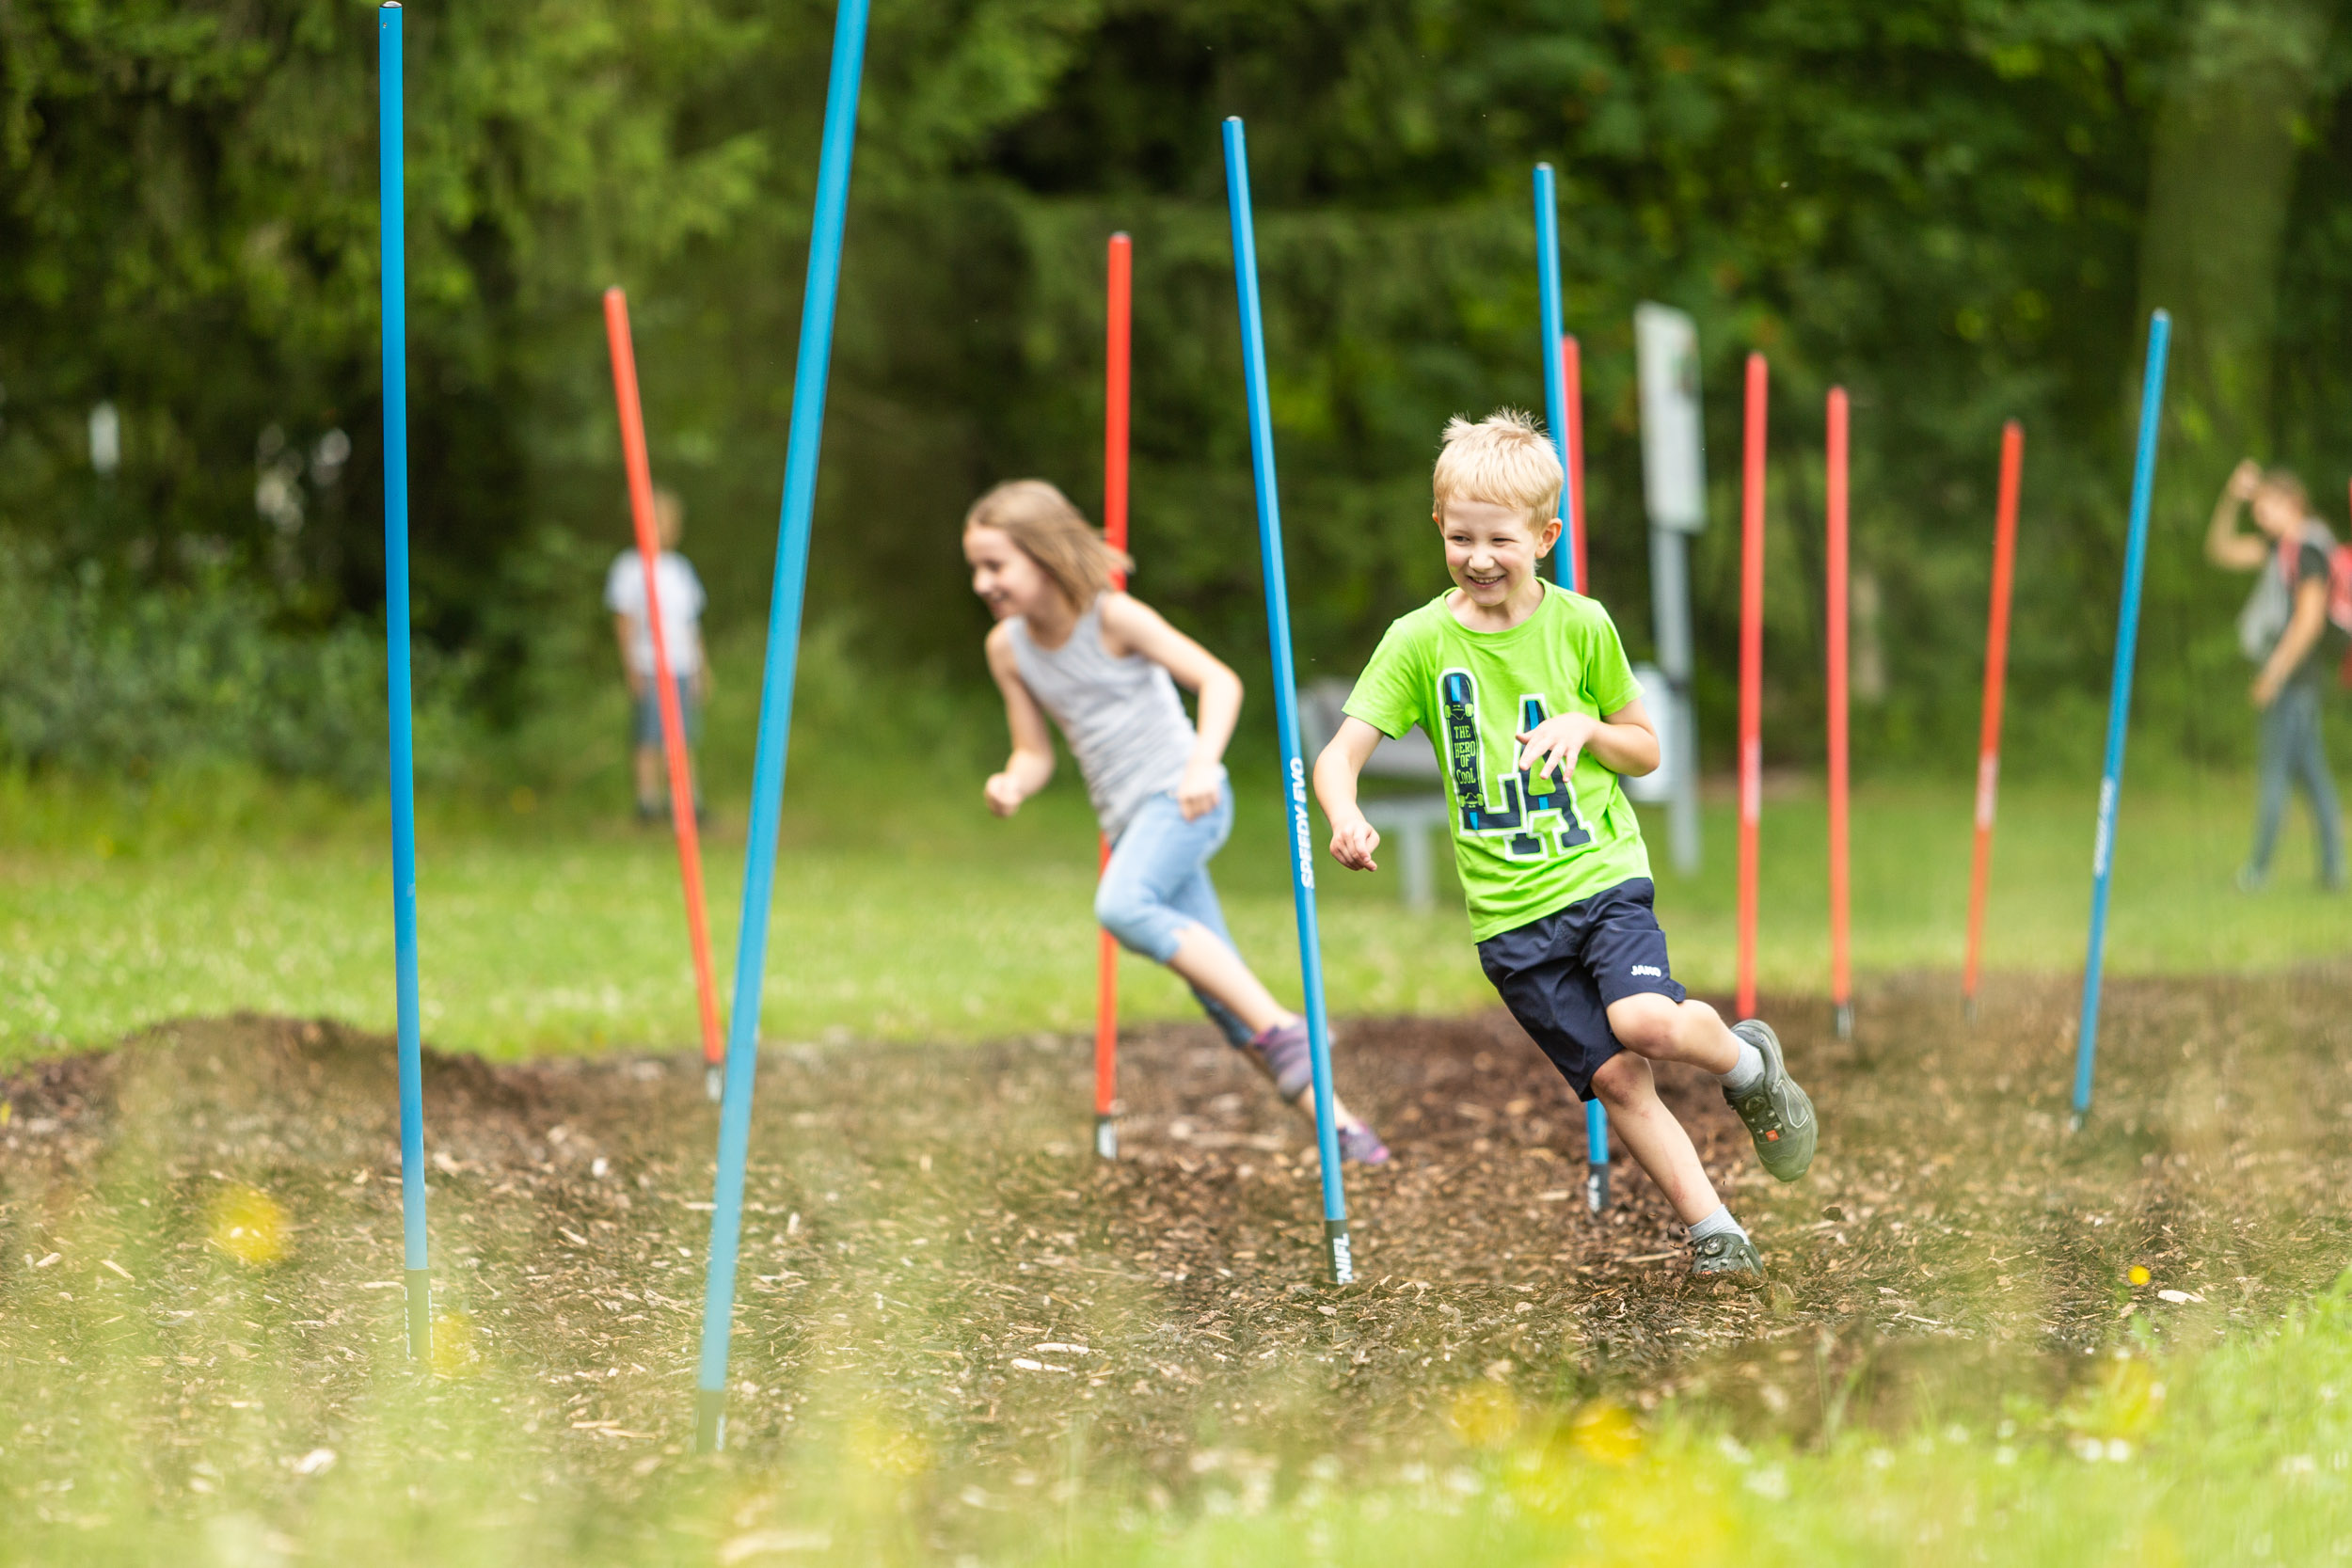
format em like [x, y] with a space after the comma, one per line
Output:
[456, 1346]
[1485, 1415]
[2139, 1274]
[1604, 1431]
[247, 1225]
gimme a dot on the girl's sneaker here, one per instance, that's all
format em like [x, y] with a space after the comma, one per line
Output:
[1362, 1145]
[1726, 1252]
[1280, 1052]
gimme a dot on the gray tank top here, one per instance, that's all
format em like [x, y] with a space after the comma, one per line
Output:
[1122, 716]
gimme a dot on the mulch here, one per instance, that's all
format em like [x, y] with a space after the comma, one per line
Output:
[932, 1253]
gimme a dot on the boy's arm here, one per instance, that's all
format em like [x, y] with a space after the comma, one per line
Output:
[2303, 629]
[1031, 764]
[1353, 838]
[2224, 544]
[1625, 742]
[623, 630]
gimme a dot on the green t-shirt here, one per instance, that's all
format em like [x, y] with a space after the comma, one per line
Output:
[1525, 847]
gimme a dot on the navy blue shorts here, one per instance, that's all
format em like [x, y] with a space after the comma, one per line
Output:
[1557, 974]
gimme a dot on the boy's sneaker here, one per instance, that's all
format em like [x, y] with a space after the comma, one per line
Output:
[1726, 1252]
[1280, 1052]
[1362, 1145]
[1779, 1114]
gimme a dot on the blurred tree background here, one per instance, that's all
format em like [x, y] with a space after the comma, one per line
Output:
[1958, 209]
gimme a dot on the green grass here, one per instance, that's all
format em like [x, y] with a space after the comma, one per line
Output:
[2241, 1453]
[904, 912]
[563, 935]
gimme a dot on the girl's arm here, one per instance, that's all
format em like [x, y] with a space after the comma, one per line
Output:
[1625, 742]
[2224, 544]
[1130, 626]
[1031, 764]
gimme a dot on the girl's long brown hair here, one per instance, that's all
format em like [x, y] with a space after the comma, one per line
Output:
[1050, 531]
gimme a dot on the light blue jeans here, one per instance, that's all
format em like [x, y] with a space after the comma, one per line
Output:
[2293, 753]
[1156, 887]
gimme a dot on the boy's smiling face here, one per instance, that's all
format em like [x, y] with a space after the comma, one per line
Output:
[1491, 553]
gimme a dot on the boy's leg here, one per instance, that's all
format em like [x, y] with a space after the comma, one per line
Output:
[1657, 1141]
[1544, 973]
[2319, 786]
[1650, 1015]
[2274, 769]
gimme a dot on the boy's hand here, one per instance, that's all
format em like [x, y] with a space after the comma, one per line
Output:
[1199, 790]
[1352, 843]
[1003, 794]
[2244, 479]
[1555, 743]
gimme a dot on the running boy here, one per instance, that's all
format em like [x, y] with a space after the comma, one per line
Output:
[1524, 689]
[1106, 666]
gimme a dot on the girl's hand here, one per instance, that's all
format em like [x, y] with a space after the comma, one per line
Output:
[1352, 843]
[2266, 688]
[1199, 791]
[1003, 794]
[1555, 743]
[2244, 479]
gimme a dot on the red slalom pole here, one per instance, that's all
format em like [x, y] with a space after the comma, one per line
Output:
[1572, 373]
[1995, 676]
[1750, 672]
[1840, 862]
[1116, 371]
[690, 854]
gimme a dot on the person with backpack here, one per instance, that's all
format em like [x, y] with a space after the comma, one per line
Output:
[2302, 574]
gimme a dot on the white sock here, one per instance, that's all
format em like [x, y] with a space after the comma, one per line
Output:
[1746, 1073]
[1716, 1222]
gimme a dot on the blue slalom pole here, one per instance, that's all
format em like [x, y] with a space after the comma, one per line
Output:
[1563, 553]
[775, 712]
[2119, 702]
[393, 223]
[1278, 615]
[1555, 374]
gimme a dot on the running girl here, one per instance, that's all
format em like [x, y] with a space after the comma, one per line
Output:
[1106, 666]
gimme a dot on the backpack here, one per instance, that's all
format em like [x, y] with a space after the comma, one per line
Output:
[2339, 583]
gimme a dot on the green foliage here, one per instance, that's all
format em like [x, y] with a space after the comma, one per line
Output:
[1937, 203]
[177, 678]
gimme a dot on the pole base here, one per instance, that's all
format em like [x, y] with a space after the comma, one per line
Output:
[2074, 1122]
[715, 1082]
[420, 1314]
[1105, 1136]
[1845, 1020]
[710, 1420]
[1343, 1257]
[1969, 1009]
[1595, 1188]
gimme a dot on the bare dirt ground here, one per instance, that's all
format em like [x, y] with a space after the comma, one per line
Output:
[932, 1250]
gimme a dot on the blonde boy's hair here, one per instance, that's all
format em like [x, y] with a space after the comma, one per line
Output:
[2287, 482]
[1504, 459]
[1039, 519]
